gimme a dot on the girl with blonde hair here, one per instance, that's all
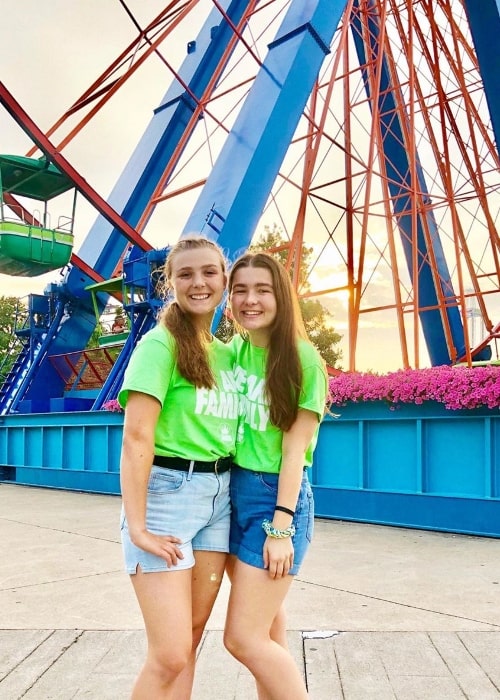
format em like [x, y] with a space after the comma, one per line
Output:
[181, 414]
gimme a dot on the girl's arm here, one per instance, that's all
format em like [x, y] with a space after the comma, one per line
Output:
[141, 416]
[278, 553]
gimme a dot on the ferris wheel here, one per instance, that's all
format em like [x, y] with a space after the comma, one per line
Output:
[365, 130]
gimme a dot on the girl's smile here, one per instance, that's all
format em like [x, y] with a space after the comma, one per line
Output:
[253, 302]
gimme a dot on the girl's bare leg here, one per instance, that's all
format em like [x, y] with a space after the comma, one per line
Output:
[165, 602]
[278, 627]
[254, 603]
[206, 580]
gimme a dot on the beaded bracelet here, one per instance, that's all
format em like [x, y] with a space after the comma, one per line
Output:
[271, 531]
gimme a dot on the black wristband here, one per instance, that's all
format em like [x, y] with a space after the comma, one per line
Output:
[289, 511]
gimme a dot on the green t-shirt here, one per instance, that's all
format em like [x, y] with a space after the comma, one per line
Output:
[194, 423]
[259, 443]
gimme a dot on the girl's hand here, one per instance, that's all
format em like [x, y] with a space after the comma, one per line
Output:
[164, 546]
[278, 556]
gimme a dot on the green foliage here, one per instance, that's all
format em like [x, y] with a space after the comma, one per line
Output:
[10, 345]
[94, 338]
[323, 336]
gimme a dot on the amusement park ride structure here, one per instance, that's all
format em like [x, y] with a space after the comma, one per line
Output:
[366, 129]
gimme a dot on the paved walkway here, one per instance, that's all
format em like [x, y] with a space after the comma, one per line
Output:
[376, 613]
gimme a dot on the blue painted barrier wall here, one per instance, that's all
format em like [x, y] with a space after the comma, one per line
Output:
[77, 450]
[416, 466]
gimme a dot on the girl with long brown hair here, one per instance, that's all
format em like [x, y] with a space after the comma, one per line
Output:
[181, 414]
[282, 381]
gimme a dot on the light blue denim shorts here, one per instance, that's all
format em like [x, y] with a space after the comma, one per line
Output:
[253, 497]
[196, 510]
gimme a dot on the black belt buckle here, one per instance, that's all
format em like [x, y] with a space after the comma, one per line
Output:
[222, 464]
[219, 466]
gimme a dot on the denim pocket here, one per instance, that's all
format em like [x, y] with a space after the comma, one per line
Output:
[165, 481]
[269, 481]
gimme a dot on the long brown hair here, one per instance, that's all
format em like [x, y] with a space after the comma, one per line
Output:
[283, 370]
[190, 344]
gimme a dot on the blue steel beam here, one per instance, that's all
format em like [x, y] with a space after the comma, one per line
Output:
[400, 187]
[484, 23]
[236, 190]
[104, 244]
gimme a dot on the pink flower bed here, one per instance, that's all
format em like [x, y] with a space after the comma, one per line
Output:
[112, 405]
[455, 387]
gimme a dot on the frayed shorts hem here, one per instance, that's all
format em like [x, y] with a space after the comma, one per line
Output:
[161, 570]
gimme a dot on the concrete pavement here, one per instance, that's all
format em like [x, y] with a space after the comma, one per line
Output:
[376, 613]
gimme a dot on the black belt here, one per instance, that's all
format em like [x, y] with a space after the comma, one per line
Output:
[223, 464]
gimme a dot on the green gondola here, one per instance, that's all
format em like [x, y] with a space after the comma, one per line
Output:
[32, 248]
[116, 332]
